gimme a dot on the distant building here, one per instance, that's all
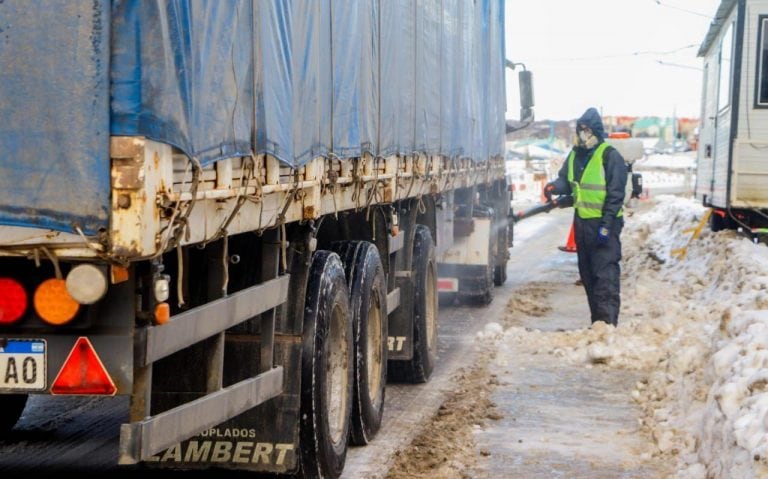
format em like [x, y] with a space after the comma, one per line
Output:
[668, 129]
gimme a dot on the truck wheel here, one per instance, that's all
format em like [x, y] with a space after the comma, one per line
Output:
[486, 296]
[510, 234]
[326, 369]
[500, 274]
[11, 407]
[368, 303]
[720, 223]
[424, 313]
[502, 255]
[482, 293]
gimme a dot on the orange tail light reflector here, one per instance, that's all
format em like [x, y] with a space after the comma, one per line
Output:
[83, 372]
[53, 303]
[162, 313]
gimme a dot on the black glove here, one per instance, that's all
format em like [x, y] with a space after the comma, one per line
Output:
[548, 190]
[564, 201]
[602, 235]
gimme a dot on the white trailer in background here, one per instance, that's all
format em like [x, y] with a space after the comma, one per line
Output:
[732, 166]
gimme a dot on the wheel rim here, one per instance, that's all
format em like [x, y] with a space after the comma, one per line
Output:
[431, 312]
[337, 374]
[374, 359]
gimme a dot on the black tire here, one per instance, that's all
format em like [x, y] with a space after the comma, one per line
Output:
[486, 296]
[483, 294]
[502, 255]
[510, 234]
[447, 299]
[720, 223]
[368, 305]
[480, 288]
[500, 274]
[424, 313]
[326, 369]
[716, 222]
[11, 407]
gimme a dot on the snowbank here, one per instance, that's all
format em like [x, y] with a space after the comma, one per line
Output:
[694, 327]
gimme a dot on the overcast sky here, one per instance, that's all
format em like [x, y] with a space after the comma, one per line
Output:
[606, 54]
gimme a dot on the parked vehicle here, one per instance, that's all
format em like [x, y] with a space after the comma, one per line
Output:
[731, 168]
[237, 213]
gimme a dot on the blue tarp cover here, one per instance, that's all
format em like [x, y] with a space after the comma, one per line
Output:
[54, 114]
[296, 79]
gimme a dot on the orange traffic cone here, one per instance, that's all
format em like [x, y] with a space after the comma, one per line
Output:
[570, 245]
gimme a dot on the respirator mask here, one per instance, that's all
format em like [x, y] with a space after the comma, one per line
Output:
[586, 138]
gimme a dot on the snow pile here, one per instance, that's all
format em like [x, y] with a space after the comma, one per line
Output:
[491, 331]
[736, 416]
[656, 232]
[705, 400]
[691, 325]
[625, 346]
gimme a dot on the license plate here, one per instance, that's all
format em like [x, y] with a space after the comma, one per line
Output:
[22, 364]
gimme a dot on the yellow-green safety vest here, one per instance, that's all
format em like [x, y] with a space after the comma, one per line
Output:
[589, 193]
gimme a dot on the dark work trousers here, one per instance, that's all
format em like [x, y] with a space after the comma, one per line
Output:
[599, 268]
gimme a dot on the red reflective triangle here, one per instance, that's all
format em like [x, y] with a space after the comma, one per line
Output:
[83, 372]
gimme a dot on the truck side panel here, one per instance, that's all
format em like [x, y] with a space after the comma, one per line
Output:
[195, 92]
[182, 73]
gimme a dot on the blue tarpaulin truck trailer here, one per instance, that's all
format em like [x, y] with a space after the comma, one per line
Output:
[234, 212]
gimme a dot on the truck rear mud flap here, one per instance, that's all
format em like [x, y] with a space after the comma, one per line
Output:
[400, 330]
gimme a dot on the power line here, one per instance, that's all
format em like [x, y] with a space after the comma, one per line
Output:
[678, 65]
[658, 2]
[667, 52]
[622, 55]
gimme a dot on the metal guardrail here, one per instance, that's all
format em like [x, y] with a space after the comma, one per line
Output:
[140, 440]
[157, 342]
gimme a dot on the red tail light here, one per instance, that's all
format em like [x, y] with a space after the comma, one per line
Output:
[83, 372]
[13, 301]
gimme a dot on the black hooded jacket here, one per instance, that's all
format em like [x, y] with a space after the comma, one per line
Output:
[613, 164]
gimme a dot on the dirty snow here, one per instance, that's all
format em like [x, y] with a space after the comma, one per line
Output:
[694, 329]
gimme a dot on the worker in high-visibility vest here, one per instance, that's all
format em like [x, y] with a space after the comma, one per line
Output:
[596, 175]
